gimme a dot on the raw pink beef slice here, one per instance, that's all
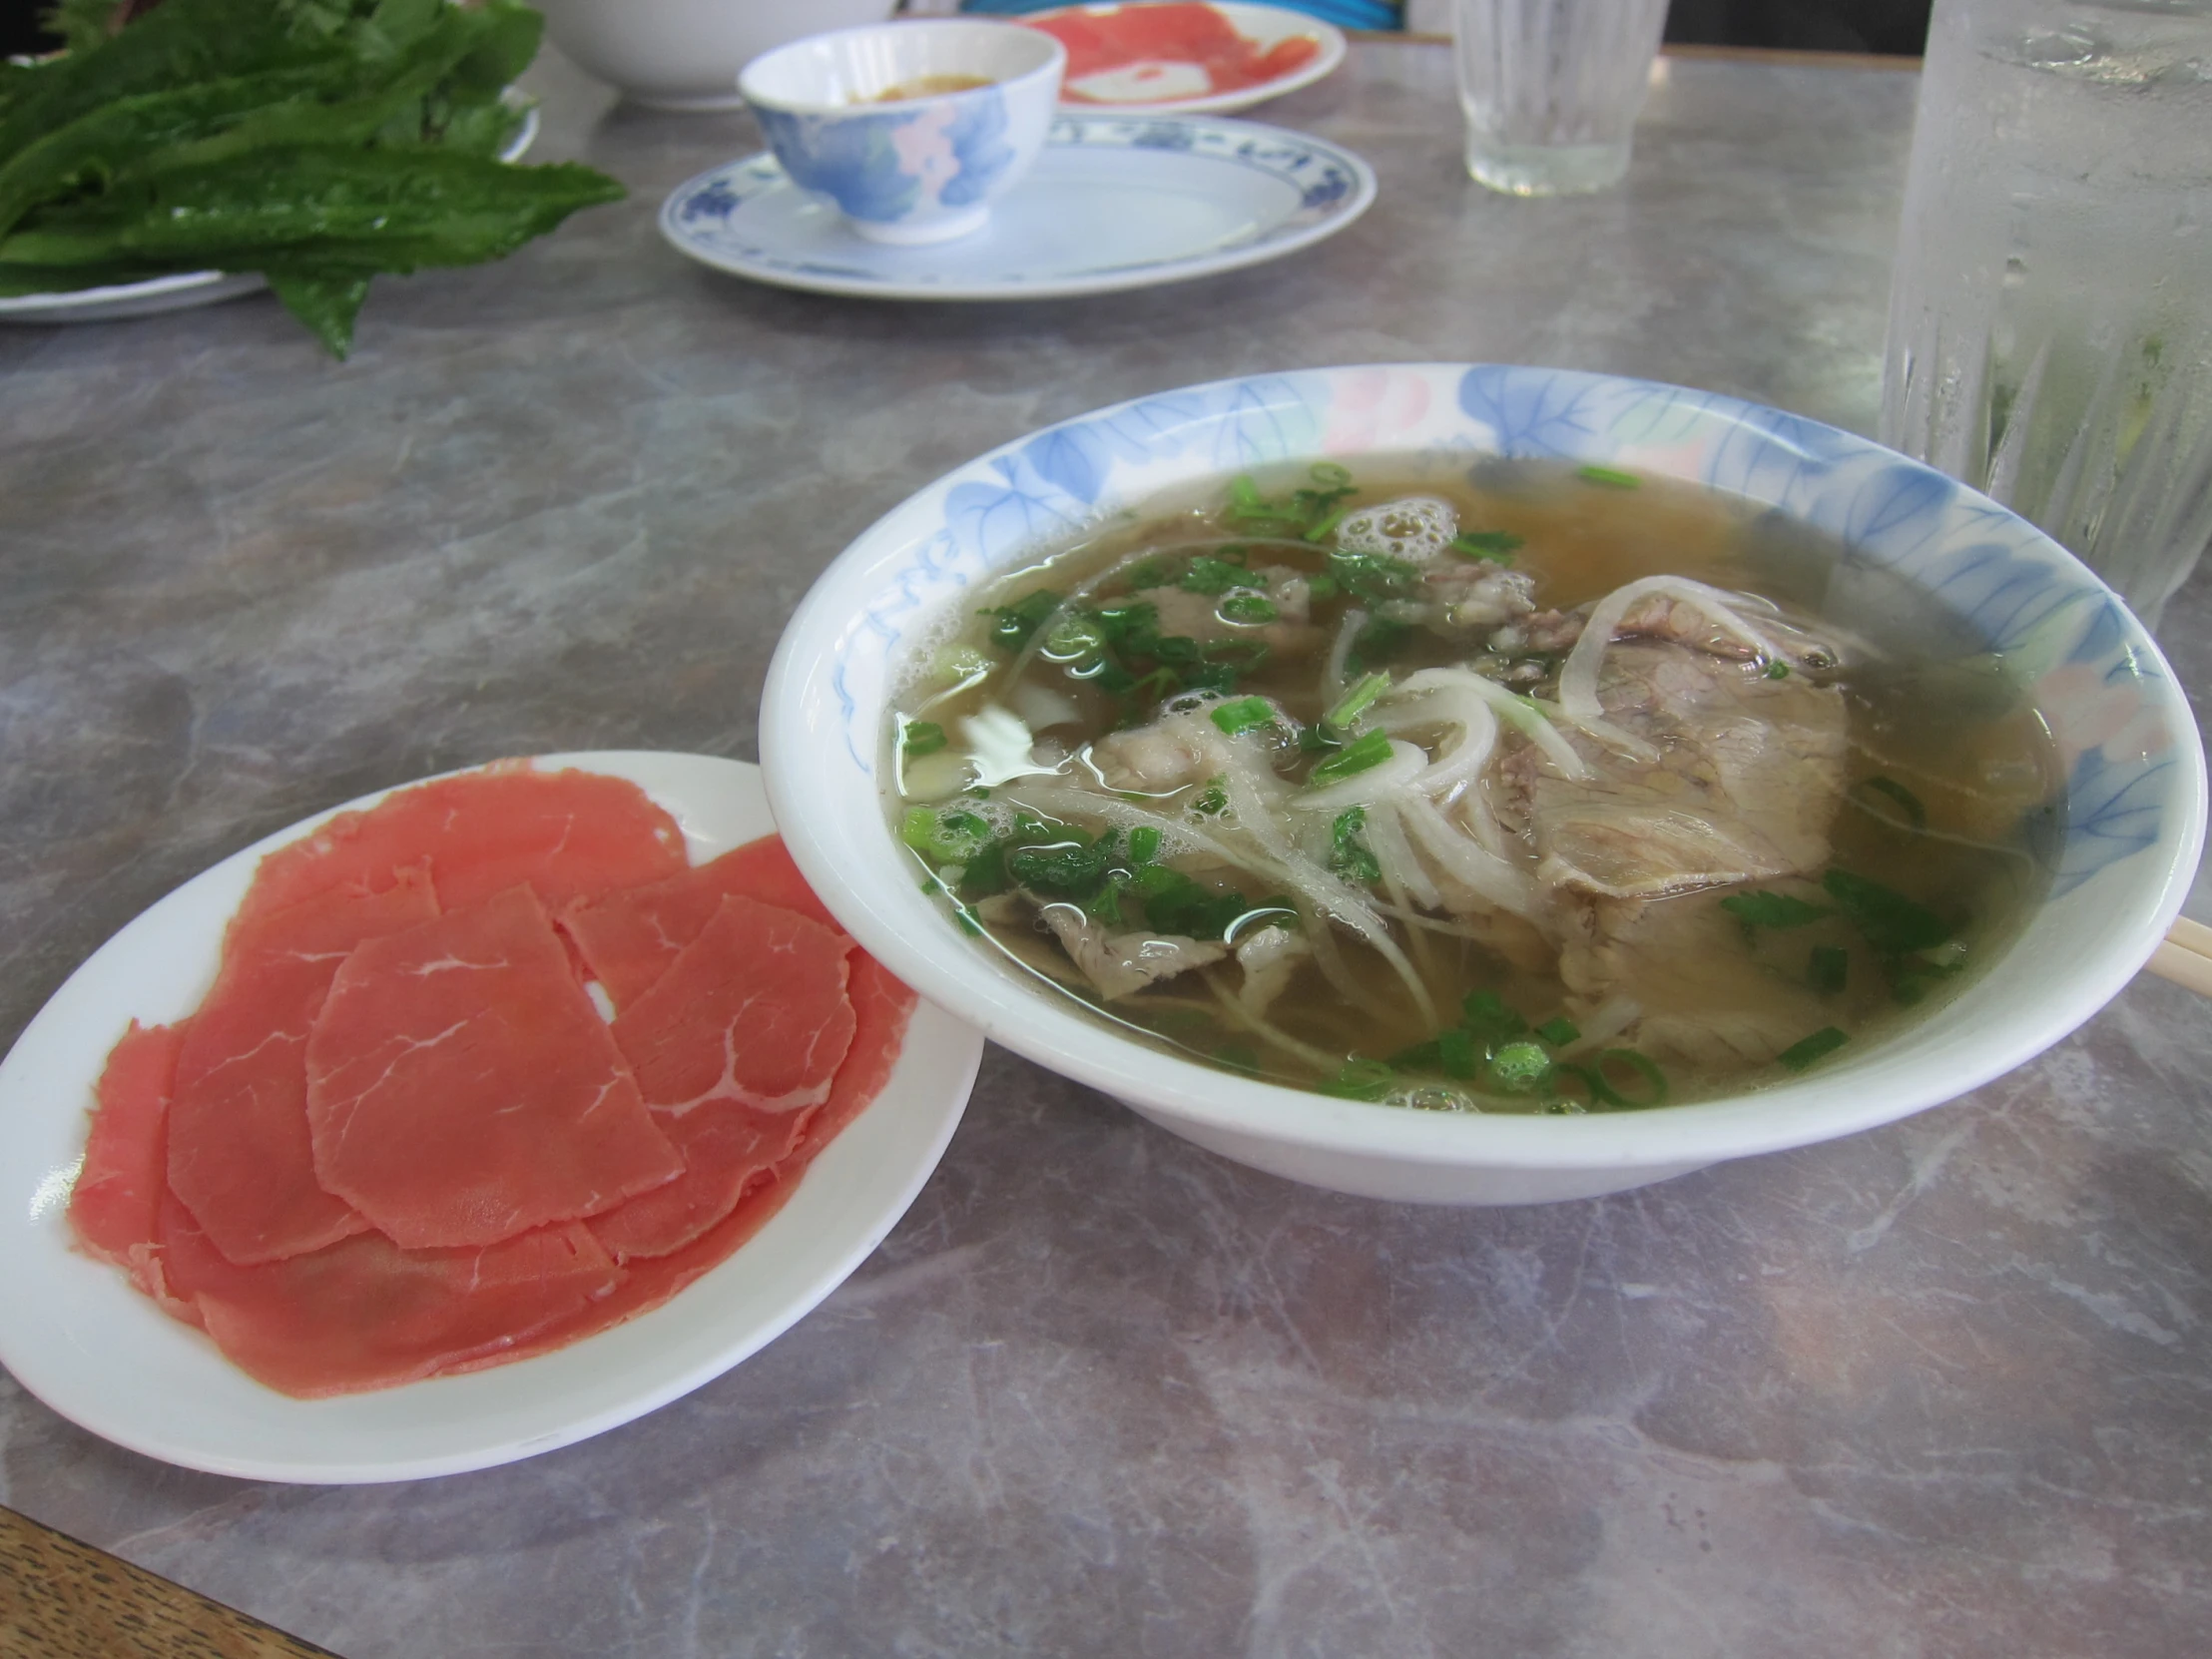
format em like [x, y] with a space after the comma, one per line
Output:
[628, 938]
[461, 1088]
[364, 1314]
[727, 1150]
[754, 1011]
[115, 1205]
[238, 1150]
[570, 834]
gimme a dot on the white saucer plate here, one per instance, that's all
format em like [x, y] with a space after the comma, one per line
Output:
[75, 1334]
[182, 291]
[1115, 202]
[1157, 83]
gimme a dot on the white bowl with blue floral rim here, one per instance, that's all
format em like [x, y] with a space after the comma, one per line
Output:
[2134, 767]
[911, 129]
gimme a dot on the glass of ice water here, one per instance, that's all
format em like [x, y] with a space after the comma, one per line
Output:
[1551, 89]
[2051, 312]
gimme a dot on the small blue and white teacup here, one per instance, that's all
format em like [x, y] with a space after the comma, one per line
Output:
[857, 116]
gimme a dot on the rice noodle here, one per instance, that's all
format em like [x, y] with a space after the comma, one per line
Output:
[1578, 698]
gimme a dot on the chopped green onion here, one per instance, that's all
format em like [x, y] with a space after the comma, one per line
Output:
[1611, 477]
[1329, 475]
[1893, 924]
[1349, 855]
[1249, 607]
[1818, 1045]
[1378, 642]
[1369, 749]
[1104, 905]
[1213, 799]
[1829, 969]
[1778, 670]
[1355, 702]
[1016, 622]
[1495, 545]
[1069, 863]
[1457, 1054]
[1519, 1067]
[1144, 843]
[921, 737]
[1244, 496]
[1559, 1032]
[1212, 576]
[1772, 910]
[1601, 1093]
[1490, 1019]
[1145, 573]
[1362, 1080]
[1904, 798]
[1326, 526]
[1319, 587]
[956, 664]
[1246, 713]
[1655, 1080]
[1373, 577]
[951, 837]
[1073, 639]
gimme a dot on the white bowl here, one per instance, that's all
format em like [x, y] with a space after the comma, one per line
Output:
[686, 54]
[921, 169]
[2135, 769]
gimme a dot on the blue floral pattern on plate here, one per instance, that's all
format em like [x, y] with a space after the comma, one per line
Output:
[2125, 736]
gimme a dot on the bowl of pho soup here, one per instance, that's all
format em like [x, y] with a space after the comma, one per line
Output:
[1484, 785]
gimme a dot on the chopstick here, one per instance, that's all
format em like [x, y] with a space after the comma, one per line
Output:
[2185, 956]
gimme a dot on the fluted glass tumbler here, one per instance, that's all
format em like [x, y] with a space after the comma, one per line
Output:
[1551, 89]
[2050, 310]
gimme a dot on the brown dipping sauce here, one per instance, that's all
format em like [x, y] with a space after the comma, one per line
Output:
[929, 86]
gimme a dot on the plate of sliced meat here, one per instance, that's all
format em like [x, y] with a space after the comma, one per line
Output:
[457, 1124]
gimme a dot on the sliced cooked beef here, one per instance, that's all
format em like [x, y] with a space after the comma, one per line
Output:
[1748, 776]
[1120, 964]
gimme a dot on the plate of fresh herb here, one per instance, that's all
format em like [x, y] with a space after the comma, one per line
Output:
[188, 153]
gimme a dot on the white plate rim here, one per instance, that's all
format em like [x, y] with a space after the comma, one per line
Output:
[65, 1319]
[761, 174]
[1275, 22]
[182, 289]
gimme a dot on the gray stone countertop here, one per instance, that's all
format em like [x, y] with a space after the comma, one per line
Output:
[1942, 1389]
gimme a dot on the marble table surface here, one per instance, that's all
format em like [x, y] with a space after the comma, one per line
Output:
[1942, 1389]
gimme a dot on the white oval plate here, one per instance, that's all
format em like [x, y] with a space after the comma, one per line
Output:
[74, 1333]
[1155, 85]
[1114, 202]
[182, 291]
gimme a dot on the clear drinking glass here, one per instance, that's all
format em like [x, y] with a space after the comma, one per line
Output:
[2051, 312]
[1551, 89]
